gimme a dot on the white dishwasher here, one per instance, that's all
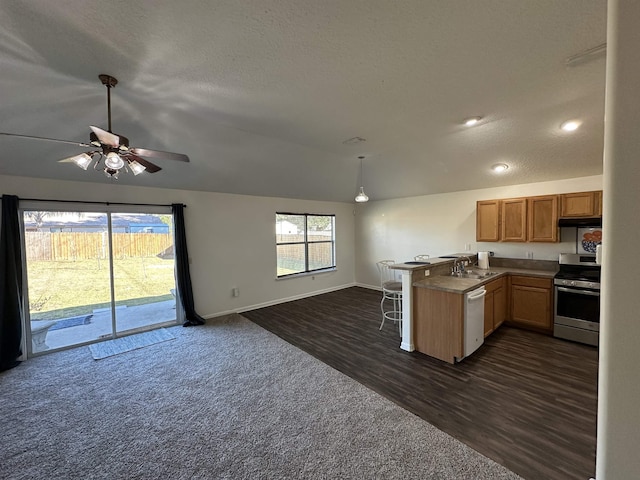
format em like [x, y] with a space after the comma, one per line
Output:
[473, 320]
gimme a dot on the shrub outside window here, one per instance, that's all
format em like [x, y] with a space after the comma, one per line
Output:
[305, 243]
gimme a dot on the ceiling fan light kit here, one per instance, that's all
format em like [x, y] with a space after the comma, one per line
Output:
[83, 160]
[136, 167]
[112, 150]
[113, 161]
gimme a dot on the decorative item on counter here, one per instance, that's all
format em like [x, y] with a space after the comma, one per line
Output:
[483, 260]
[588, 239]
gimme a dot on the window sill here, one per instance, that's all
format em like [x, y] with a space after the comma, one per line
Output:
[308, 274]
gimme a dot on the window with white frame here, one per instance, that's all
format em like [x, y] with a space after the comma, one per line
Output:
[305, 243]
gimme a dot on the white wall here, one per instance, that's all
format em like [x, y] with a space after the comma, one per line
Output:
[445, 223]
[231, 239]
[619, 386]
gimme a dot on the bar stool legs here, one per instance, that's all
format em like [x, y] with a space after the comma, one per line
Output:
[391, 303]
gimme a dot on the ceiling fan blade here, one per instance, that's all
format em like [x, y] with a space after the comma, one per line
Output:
[105, 137]
[159, 154]
[150, 167]
[69, 142]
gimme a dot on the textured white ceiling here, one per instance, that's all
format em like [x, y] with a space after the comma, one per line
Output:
[261, 94]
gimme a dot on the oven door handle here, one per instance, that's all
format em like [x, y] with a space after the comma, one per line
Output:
[581, 292]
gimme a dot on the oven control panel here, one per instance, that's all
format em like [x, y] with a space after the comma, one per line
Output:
[577, 283]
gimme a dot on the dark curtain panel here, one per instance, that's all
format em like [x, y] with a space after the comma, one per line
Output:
[10, 284]
[185, 292]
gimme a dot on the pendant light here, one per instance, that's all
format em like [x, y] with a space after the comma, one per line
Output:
[361, 197]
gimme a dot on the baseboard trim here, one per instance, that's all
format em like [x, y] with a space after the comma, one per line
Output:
[281, 300]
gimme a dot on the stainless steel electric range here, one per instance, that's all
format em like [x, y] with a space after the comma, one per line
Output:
[577, 298]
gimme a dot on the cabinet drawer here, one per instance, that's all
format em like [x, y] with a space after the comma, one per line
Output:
[494, 284]
[531, 281]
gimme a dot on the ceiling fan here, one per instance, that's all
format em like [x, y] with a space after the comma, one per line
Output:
[111, 151]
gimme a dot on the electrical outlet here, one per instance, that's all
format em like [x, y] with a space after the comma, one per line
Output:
[427, 273]
[467, 247]
[529, 255]
[235, 292]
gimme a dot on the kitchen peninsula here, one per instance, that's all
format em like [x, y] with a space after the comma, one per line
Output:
[518, 291]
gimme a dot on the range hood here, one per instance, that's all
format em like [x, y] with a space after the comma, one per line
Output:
[580, 222]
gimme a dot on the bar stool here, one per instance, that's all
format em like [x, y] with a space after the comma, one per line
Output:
[391, 292]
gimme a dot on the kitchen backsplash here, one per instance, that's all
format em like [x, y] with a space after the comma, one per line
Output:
[524, 263]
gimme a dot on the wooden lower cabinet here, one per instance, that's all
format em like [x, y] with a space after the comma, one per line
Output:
[438, 323]
[438, 316]
[531, 300]
[495, 305]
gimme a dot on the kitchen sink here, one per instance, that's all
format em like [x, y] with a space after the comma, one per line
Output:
[474, 275]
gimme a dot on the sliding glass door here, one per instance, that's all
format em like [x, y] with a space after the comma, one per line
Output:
[95, 275]
[143, 270]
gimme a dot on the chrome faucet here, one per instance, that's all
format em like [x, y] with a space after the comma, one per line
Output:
[458, 265]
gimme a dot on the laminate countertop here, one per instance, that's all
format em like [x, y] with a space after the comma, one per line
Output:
[431, 262]
[453, 284]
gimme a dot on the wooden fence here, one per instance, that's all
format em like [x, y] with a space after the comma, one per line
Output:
[91, 245]
[291, 257]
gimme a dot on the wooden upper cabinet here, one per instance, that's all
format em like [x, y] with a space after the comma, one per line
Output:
[581, 204]
[532, 219]
[598, 200]
[488, 221]
[513, 214]
[542, 216]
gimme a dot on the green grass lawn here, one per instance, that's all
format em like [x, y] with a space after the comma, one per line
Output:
[59, 289]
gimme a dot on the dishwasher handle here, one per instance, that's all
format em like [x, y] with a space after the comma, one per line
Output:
[477, 295]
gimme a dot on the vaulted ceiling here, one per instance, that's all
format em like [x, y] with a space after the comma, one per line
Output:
[263, 95]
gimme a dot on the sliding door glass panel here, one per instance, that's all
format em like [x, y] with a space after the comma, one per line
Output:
[67, 260]
[143, 270]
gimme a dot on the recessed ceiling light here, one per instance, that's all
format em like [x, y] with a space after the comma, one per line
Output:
[470, 122]
[570, 125]
[499, 167]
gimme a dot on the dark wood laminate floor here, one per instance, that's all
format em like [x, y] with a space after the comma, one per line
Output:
[526, 400]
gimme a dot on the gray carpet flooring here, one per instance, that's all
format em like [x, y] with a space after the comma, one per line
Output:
[227, 400]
